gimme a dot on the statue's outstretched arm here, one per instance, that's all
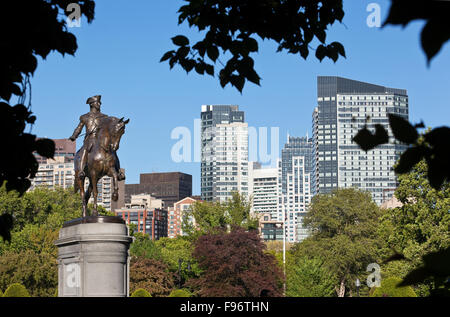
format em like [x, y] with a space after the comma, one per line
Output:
[77, 131]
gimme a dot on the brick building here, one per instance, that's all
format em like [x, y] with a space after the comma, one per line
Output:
[175, 216]
[169, 187]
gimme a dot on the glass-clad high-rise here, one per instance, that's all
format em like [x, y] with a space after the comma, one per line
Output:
[345, 106]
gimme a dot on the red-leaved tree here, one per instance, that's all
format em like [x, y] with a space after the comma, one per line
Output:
[235, 265]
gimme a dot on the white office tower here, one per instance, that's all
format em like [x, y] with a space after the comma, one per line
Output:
[295, 173]
[263, 188]
[224, 153]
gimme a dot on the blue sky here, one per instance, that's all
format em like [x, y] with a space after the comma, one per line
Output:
[118, 57]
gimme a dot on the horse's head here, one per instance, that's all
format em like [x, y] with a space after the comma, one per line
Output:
[118, 130]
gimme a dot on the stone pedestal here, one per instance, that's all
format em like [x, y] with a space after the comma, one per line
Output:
[93, 257]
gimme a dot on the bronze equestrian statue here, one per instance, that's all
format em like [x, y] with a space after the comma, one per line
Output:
[97, 157]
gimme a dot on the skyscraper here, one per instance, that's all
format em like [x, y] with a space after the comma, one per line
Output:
[224, 152]
[295, 174]
[344, 107]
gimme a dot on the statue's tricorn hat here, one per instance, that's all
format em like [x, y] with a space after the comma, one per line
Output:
[94, 99]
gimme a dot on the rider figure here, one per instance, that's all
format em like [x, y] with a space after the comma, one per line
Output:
[91, 121]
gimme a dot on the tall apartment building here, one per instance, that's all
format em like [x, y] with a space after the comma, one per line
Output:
[263, 188]
[344, 107]
[105, 190]
[295, 190]
[170, 187]
[52, 173]
[224, 152]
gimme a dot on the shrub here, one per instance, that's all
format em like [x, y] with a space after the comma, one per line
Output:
[151, 275]
[16, 290]
[180, 293]
[140, 292]
[389, 288]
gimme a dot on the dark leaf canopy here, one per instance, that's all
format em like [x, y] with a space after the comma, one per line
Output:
[29, 29]
[233, 26]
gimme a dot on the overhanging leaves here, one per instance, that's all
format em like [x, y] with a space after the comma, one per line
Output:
[437, 24]
[402, 129]
[180, 40]
[45, 147]
[367, 141]
[410, 158]
[232, 28]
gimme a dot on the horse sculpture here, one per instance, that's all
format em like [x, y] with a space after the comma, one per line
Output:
[102, 161]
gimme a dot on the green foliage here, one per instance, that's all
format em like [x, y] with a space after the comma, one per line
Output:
[42, 207]
[168, 251]
[344, 235]
[174, 250]
[180, 293]
[390, 288]
[419, 232]
[16, 290]
[38, 272]
[233, 27]
[308, 278]
[238, 212]
[29, 257]
[209, 217]
[38, 216]
[203, 217]
[143, 246]
[140, 292]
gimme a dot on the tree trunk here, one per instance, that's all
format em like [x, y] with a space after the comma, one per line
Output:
[341, 290]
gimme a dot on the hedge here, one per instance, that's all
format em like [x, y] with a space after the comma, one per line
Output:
[180, 293]
[16, 290]
[140, 292]
[389, 288]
